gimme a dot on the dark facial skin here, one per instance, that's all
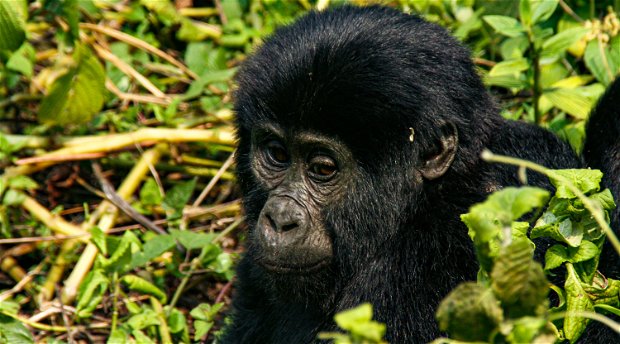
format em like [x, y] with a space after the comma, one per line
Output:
[304, 173]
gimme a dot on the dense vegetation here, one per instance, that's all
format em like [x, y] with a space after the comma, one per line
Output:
[119, 217]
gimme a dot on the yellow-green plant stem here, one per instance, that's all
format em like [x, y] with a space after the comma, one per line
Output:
[56, 270]
[108, 219]
[164, 331]
[12, 268]
[589, 315]
[114, 142]
[53, 221]
[117, 289]
[597, 214]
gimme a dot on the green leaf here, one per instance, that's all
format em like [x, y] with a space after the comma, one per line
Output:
[555, 256]
[178, 196]
[560, 229]
[12, 26]
[143, 286]
[152, 249]
[98, 238]
[91, 293]
[201, 328]
[22, 60]
[599, 62]
[206, 312]
[76, 96]
[150, 193]
[518, 281]
[586, 180]
[11, 330]
[144, 319]
[359, 322]
[118, 336]
[176, 321]
[513, 67]
[470, 312]
[192, 240]
[605, 199]
[507, 26]
[514, 48]
[121, 256]
[576, 300]
[531, 330]
[141, 338]
[13, 198]
[558, 44]
[543, 9]
[571, 101]
[525, 12]
[20, 182]
[586, 251]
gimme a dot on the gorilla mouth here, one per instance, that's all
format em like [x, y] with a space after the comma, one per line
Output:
[294, 269]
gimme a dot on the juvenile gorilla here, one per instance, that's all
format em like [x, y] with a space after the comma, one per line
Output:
[360, 132]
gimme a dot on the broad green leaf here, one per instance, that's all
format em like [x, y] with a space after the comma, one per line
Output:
[192, 240]
[76, 96]
[586, 251]
[518, 281]
[177, 197]
[12, 26]
[97, 237]
[571, 101]
[21, 182]
[205, 311]
[599, 62]
[141, 338]
[514, 48]
[605, 199]
[513, 67]
[470, 312]
[525, 12]
[144, 319]
[13, 198]
[573, 81]
[561, 230]
[359, 322]
[13, 331]
[505, 25]
[576, 300]
[150, 193]
[201, 328]
[118, 336]
[91, 293]
[531, 330]
[558, 44]
[542, 10]
[152, 249]
[506, 81]
[555, 256]
[586, 180]
[603, 290]
[176, 321]
[22, 60]
[120, 258]
[143, 286]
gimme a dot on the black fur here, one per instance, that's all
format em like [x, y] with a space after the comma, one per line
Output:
[366, 76]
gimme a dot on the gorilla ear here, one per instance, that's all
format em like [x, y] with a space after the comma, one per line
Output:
[438, 163]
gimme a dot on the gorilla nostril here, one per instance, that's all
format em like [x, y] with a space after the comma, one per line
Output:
[289, 226]
[272, 223]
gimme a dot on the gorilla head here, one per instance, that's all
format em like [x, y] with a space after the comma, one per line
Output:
[359, 134]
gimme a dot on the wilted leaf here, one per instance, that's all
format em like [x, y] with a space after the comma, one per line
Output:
[91, 293]
[143, 286]
[576, 301]
[469, 313]
[518, 281]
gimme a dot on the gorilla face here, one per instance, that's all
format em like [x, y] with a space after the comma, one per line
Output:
[303, 173]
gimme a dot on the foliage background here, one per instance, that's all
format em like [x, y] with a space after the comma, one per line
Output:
[119, 216]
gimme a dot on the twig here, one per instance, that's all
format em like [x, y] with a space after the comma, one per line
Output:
[214, 180]
[138, 43]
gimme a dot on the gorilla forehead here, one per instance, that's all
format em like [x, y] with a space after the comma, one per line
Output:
[392, 72]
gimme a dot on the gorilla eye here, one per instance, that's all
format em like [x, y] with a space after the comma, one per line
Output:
[323, 168]
[276, 152]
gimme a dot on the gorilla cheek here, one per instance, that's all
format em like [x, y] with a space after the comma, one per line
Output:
[289, 239]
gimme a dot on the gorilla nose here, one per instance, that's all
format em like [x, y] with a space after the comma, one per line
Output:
[283, 221]
[283, 214]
